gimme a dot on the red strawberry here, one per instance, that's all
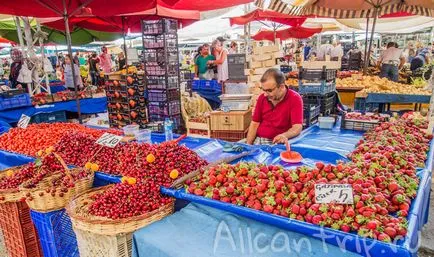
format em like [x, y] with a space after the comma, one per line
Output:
[295, 209]
[384, 237]
[302, 211]
[319, 165]
[286, 203]
[404, 207]
[230, 189]
[393, 187]
[350, 212]
[198, 191]
[390, 231]
[345, 228]
[268, 208]
[316, 219]
[372, 224]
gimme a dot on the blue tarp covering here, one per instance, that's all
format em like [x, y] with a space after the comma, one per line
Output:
[397, 98]
[198, 231]
[59, 88]
[91, 105]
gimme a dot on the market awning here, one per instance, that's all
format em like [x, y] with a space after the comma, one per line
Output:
[347, 9]
[54, 8]
[8, 31]
[266, 15]
[283, 34]
[124, 23]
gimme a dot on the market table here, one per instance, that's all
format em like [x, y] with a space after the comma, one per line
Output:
[348, 94]
[385, 100]
[87, 106]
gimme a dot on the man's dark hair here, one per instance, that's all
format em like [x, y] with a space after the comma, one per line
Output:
[205, 45]
[391, 44]
[274, 73]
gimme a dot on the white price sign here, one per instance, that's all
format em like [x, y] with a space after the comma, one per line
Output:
[109, 140]
[338, 193]
[24, 121]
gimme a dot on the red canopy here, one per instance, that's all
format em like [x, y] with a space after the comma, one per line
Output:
[54, 8]
[283, 34]
[261, 15]
[6, 41]
[125, 23]
[202, 5]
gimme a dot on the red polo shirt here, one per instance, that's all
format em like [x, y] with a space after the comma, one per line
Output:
[275, 120]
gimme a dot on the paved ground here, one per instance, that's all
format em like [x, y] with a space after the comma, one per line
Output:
[427, 244]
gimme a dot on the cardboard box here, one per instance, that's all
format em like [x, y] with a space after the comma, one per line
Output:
[270, 49]
[277, 55]
[269, 63]
[259, 71]
[254, 65]
[262, 57]
[254, 78]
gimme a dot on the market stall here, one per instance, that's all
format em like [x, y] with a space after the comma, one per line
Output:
[315, 145]
[89, 106]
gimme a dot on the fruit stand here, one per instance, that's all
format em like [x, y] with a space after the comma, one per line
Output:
[327, 147]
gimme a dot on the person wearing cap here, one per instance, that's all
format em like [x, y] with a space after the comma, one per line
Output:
[278, 115]
[391, 61]
[105, 60]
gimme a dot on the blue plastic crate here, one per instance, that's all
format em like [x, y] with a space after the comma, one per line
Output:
[50, 117]
[316, 88]
[55, 233]
[211, 85]
[16, 101]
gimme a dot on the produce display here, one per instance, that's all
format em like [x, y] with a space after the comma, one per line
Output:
[41, 136]
[126, 200]
[130, 159]
[375, 84]
[374, 117]
[382, 172]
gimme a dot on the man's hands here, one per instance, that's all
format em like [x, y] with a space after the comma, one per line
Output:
[280, 139]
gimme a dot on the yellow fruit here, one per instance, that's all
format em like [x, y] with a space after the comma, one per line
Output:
[124, 179]
[150, 158]
[9, 173]
[131, 181]
[49, 150]
[88, 165]
[39, 153]
[174, 174]
[94, 167]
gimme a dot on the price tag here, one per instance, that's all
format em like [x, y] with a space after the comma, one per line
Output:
[24, 121]
[338, 193]
[109, 140]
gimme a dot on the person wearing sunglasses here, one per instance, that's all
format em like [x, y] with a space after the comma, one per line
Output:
[278, 114]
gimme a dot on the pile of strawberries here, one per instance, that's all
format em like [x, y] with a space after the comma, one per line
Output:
[382, 172]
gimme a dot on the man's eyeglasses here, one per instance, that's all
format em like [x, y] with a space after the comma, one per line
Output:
[268, 90]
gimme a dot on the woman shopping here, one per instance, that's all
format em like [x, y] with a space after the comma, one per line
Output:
[221, 55]
[69, 81]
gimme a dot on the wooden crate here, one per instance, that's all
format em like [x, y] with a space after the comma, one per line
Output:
[231, 121]
[198, 129]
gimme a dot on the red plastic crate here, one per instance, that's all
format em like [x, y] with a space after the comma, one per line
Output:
[19, 232]
[231, 136]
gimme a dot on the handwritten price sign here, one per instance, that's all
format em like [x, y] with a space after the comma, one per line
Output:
[109, 140]
[24, 121]
[337, 193]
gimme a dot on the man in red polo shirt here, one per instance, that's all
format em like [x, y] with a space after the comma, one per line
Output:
[278, 114]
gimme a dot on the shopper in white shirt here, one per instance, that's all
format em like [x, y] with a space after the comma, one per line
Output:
[324, 50]
[336, 52]
[391, 61]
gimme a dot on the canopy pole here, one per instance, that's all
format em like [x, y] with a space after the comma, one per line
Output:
[371, 39]
[20, 33]
[125, 43]
[68, 42]
[366, 47]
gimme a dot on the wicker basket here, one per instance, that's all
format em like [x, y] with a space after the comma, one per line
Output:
[45, 202]
[103, 237]
[10, 195]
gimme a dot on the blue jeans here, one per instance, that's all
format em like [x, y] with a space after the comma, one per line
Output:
[94, 76]
[389, 71]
